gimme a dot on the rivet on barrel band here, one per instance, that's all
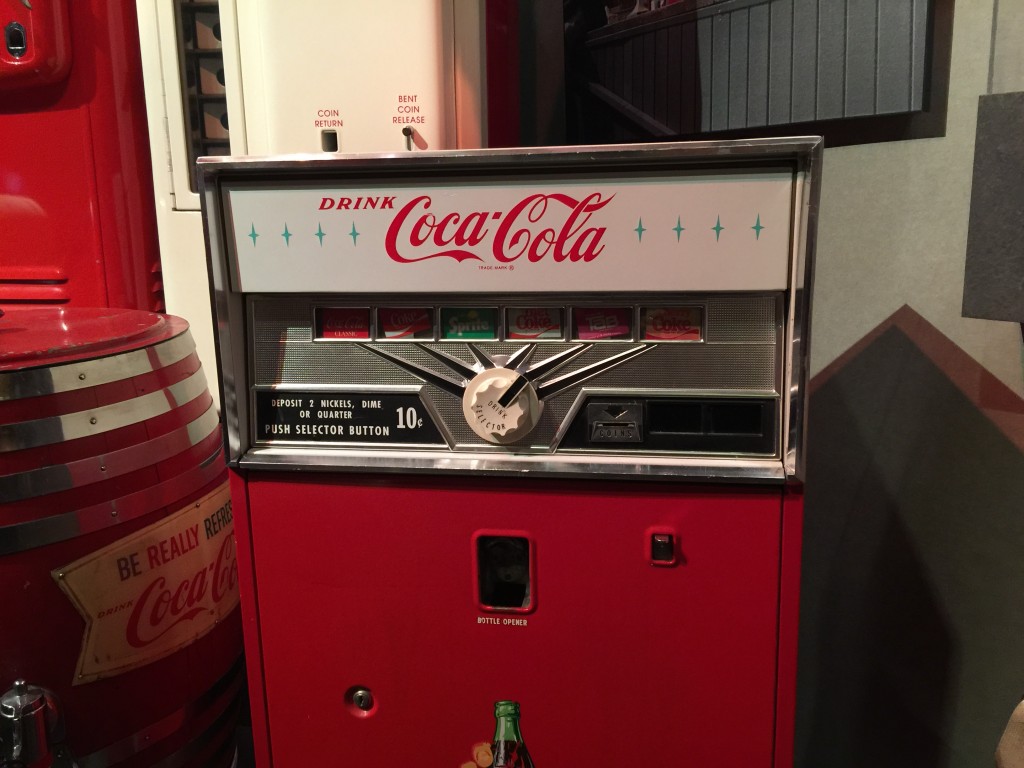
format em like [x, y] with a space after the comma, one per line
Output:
[70, 426]
[35, 382]
[76, 474]
[49, 530]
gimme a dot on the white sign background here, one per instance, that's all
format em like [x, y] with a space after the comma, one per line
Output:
[715, 232]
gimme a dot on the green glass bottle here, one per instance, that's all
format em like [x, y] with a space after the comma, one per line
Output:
[508, 748]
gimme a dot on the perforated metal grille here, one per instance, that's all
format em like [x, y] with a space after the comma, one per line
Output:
[740, 353]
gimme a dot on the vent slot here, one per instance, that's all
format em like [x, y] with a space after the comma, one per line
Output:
[34, 285]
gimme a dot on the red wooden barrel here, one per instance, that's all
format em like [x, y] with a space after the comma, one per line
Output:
[116, 549]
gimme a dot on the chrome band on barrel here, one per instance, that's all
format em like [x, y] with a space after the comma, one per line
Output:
[71, 426]
[49, 530]
[218, 699]
[66, 377]
[75, 474]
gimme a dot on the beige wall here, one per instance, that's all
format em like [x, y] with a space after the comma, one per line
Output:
[893, 226]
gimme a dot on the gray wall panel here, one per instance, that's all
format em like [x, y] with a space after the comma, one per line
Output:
[861, 37]
[705, 43]
[831, 58]
[805, 59]
[739, 45]
[894, 49]
[757, 65]
[720, 73]
[780, 67]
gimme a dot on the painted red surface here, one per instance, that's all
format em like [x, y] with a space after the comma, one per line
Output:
[76, 195]
[361, 582]
[248, 604]
[46, 56]
[789, 617]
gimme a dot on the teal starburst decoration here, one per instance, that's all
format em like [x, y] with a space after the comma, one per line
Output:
[718, 228]
[287, 236]
[757, 228]
[320, 234]
[640, 229]
[678, 228]
[253, 235]
[353, 234]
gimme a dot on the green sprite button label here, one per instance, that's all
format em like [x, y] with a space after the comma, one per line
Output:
[469, 323]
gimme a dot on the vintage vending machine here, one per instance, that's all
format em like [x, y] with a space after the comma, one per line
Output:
[516, 444]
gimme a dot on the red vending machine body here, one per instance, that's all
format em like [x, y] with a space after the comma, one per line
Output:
[76, 189]
[516, 445]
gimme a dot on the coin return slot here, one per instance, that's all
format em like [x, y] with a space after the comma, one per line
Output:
[329, 141]
[503, 571]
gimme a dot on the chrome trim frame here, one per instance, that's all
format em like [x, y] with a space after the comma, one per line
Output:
[71, 426]
[802, 154]
[585, 392]
[522, 465]
[40, 532]
[66, 377]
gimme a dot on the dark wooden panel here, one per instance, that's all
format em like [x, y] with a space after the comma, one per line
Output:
[720, 72]
[648, 53]
[704, 51]
[676, 76]
[690, 80]
[661, 76]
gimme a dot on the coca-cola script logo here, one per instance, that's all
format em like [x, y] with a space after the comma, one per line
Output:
[538, 226]
[162, 606]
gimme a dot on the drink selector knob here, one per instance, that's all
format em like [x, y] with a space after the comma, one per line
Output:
[501, 406]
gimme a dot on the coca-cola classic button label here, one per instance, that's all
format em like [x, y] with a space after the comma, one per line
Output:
[343, 322]
[159, 589]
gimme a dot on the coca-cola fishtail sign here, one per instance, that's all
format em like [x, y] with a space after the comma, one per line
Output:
[149, 594]
[681, 234]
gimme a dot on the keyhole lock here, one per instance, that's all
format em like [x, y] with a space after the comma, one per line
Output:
[15, 39]
[363, 699]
